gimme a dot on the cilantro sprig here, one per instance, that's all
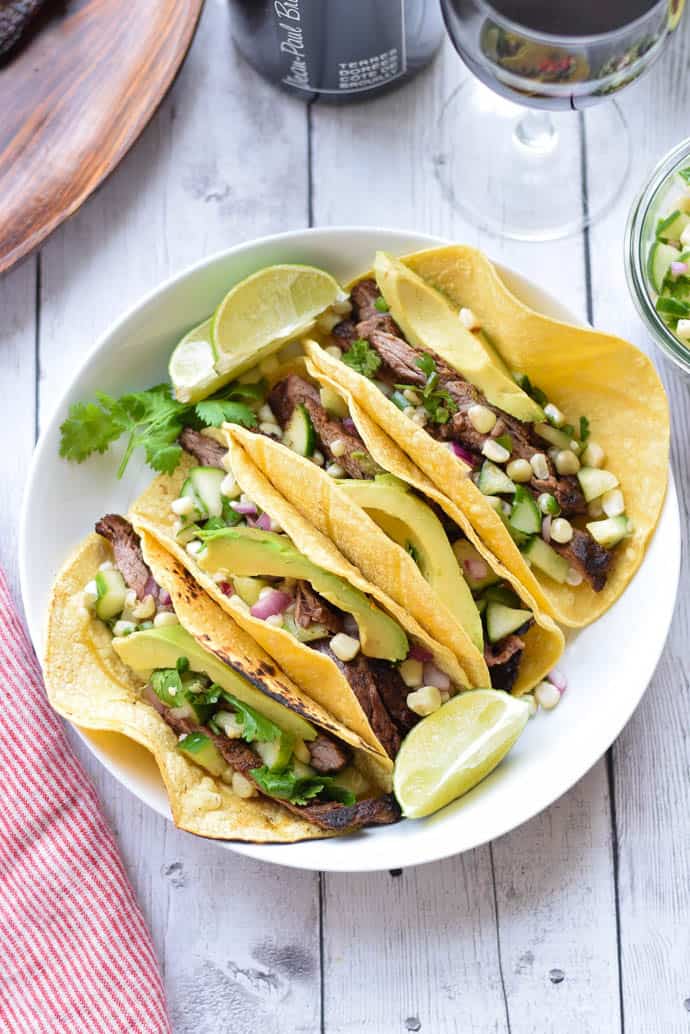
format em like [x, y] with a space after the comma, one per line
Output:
[438, 403]
[361, 357]
[254, 725]
[152, 420]
[287, 786]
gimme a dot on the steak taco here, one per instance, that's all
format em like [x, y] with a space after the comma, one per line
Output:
[552, 440]
[351, 648]
[135, 646]
[387, 518]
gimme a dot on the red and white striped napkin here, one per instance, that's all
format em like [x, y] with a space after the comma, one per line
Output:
[76, 956]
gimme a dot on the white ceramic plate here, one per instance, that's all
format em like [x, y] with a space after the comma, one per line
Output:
[608, 665]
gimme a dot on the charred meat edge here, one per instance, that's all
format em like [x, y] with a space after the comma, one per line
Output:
[328, 815]
[585, 554]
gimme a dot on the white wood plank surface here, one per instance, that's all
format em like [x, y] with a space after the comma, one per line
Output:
[520, 937]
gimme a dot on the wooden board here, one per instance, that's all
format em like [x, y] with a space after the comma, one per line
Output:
[73, 101]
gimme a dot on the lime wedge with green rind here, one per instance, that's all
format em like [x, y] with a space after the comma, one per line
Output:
[454, 748]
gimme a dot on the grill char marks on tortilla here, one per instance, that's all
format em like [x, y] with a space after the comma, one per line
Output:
[294, 391]
[503, 661]
[310, 608]
[128, 556]
[400, 364]
[586, 555]
[206, 451]
[362, 681]
[329, 815]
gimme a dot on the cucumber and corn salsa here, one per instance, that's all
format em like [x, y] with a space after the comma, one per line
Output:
[668, 262]
[546, 479]
[224, 723]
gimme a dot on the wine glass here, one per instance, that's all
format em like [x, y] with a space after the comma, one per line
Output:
[531, 157]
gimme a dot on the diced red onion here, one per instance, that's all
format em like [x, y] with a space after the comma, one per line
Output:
[433, 676]
[246, 509]
[350, 626]
[152, 588]
[546, 528]
[263, 522]
[679, 268]
[418, 653]
[226, 588]
[273, 602]
[164, 598]
[558, 679]
[349, 425]
[462, 454]
[475, 568]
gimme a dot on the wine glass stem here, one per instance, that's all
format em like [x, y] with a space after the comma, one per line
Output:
[536, 132]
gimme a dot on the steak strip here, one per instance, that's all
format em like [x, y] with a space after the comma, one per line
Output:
[206, 451]
[328, 815]
[310, 608]
[503, 661]
[586, 555]
[128, 556]
[327, 756]
[294, 391]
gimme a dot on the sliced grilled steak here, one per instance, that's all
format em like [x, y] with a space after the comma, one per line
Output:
[364, 296]
[586, 555]
[16, 19]
[329, 815]
[363, 684]
[393, 692]
[206, 451]
[327, 756]
[294, 391]
[128, 557]
[345, 333]
[398, 356]
[503, 661]
[310, 608]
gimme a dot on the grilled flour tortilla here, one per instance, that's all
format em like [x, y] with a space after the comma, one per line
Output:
[338, 636]
[382, 516]
[224, 724]
[571, 520]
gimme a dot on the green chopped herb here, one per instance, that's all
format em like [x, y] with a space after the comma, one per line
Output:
[523, 381]
[685, 174]
[412, 550]
[584, 429]
[381, 304]
[287, 786]
[182, 665]
[506, 441]
[361, 357]
[437, 402]
[568, 429]
[254, 725]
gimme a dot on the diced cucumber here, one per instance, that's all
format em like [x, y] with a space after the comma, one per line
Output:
[276, 754]
[467, 556]
[303, 771]
[549, 562]
[609, 532]
[299, 434]
[203, 751]
[670, 228]
[481, 604]
[304, 635]
[658, 263]
[493, 480]
[248, 589]
[553, 435]
[111, 589]
[334, 403]
[502, 594]
[594, 482]
[206, 482]
[502, 621]
[350, 778]
[525, 516]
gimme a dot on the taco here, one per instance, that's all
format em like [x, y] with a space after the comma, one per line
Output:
[395, 525]
[136, 647]
[351, 648]
[563, 483]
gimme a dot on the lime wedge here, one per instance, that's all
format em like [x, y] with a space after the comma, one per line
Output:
[192, 367]
[455, 748]
[267, 309]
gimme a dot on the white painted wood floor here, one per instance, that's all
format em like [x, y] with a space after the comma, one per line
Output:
[576, 923]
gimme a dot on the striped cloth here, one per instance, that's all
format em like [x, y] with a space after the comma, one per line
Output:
[75, 954]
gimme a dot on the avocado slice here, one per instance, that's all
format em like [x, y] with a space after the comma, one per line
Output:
[406, 519]
[429, 321]
[199, 748]
[251, 552]
[161, 647]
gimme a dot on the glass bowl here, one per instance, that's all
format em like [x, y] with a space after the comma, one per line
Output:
[654, 201]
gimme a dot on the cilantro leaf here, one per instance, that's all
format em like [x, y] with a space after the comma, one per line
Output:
[362, 358]
[214, 412]
[426, 364]
[167, 685]
[287, 786]
[381, 304]
[685, 174]
[254, 725]
[584, 429]
[87, 429]
[251, 392]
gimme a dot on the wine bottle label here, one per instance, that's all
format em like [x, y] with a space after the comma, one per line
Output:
[328, 48]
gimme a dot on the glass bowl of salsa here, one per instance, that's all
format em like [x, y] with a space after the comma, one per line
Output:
[657, 252]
